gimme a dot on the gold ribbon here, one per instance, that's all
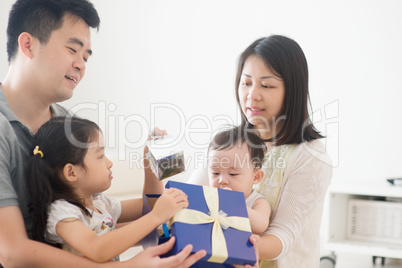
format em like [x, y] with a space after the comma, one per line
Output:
[218, 218]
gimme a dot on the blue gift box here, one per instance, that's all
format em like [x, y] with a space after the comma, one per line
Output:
[231, 204]
[152, 239]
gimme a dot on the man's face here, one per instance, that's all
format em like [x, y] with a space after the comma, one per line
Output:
[60, 63]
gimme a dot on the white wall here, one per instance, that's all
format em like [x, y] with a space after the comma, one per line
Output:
[183, 53]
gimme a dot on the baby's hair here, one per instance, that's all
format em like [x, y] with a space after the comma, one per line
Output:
[60, 141]
[233, 136]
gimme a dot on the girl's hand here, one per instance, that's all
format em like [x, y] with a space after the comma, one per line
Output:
[155, 134]
[169, 203]
[152, 185]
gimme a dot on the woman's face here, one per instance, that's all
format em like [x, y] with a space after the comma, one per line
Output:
[261, 95]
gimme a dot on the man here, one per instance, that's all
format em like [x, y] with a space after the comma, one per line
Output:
[48, 46]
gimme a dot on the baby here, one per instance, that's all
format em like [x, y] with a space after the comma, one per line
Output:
[235, 159]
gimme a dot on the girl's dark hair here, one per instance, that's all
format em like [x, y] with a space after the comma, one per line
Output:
[229, 138]
[61, 140]
[41, 17]
[285, 58]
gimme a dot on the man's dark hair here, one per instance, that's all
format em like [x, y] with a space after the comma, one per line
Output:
[41, 17]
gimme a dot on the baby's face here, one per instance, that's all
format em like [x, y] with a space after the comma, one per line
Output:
[231, 169]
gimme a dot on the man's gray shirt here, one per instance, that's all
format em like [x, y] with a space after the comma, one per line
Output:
[15, 149]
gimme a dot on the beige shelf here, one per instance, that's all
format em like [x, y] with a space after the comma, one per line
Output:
[366, 248]
[339, 196]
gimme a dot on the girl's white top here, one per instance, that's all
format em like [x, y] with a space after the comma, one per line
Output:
[100, 223]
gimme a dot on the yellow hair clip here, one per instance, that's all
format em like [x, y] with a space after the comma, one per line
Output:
[37, 151]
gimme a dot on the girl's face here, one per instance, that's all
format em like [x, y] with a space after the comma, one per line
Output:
[261, 95]
[232, 169]
[96, 177]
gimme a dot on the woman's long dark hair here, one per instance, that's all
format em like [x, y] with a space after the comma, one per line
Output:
[61, 140]
[285, 58]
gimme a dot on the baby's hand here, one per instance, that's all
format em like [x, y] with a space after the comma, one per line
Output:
[169, 203]
[227, 188]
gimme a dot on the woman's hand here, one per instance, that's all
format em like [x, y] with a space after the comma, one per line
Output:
[150, 257]
[254, 239]
[169, 203]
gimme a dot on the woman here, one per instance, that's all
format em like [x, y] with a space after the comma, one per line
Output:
[272, 94]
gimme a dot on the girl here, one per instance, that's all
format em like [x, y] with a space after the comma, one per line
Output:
[272, 95]
[67, 169]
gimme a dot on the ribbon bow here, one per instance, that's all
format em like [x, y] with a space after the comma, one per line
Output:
[218, 218]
